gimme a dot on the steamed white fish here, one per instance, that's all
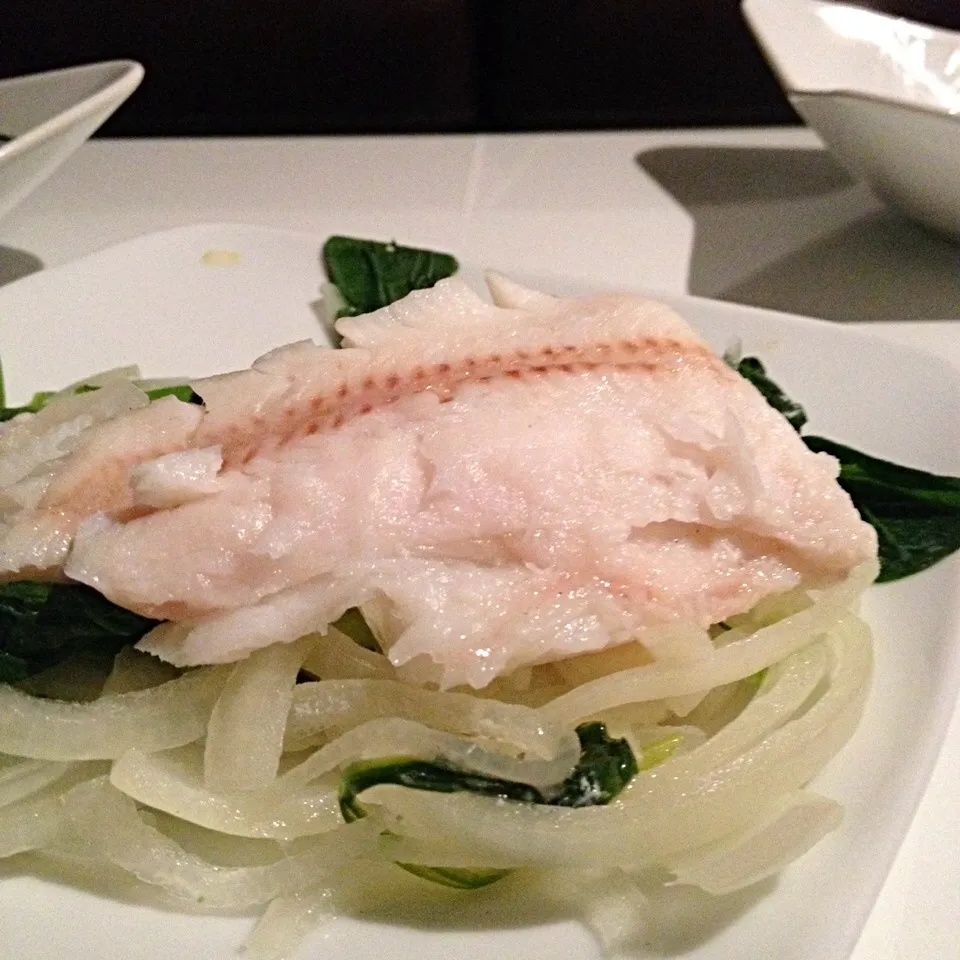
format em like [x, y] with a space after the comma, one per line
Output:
[497, 484]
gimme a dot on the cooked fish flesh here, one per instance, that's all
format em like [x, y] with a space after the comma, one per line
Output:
[504, 483]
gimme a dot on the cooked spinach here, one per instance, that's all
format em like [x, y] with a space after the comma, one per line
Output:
[750, 368]
[916, 514]
[605, 767]
[369, 274]
[44, 623]
[39, 400]
[182, 392]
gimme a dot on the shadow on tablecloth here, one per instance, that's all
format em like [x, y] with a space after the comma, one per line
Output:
[789, 229]
[16, 264]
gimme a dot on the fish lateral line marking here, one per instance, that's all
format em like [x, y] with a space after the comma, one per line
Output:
[330, 411]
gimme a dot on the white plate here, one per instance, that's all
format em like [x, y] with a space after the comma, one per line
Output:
[156, 302]
[49, 115]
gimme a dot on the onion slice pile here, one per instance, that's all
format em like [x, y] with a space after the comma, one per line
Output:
[220, 785]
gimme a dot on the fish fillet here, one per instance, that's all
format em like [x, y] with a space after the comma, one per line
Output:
[508, 483]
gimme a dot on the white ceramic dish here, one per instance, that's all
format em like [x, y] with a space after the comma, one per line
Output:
[49, 115]
[159, 301]
[882, 92]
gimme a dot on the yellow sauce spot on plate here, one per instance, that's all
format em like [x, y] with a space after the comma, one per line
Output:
[220, 258]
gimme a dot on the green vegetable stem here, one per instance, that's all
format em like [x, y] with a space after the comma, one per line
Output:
[41, 399]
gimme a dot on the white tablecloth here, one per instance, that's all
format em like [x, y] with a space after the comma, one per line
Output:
[758, 217]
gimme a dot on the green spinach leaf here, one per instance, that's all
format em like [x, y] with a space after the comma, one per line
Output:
[605, 767]
[916, 514]
[750, 368]
[369, 274]
[43, 623]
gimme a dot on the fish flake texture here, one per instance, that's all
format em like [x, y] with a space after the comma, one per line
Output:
[506, 483]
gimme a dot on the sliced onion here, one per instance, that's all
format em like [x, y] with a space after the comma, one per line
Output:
[29, 824]
[404, 738]
[337, 657]
[173, 781]
[245, 733]
[610, 903]
[170, 715]
[286, 921]
[777, 836]
[24, 777]
[660, 813]
[101, 825]
[341, 704]
[726, 809]
[744, 654]
[783, 692]
[133, 670]
[33, 821]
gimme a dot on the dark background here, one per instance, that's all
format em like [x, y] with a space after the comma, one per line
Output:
[379, 66]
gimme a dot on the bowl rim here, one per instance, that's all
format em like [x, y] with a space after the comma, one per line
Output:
[114, 92]
[753, 12]
[795, 93]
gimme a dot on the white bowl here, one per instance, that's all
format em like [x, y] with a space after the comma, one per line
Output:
[49, 115]
[882, 92]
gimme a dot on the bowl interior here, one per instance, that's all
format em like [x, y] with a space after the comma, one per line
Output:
[825, 47]
[49, 115]
[28, 102]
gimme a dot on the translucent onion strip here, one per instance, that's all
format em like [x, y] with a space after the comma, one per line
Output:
[783, 692]
[286, 921]
[792, 825]
[33, 820]
[738, 658]
[170, 715]
[20, 779]
[658, 815]
[134, 670]
[173, 781]
[610, 903]
[337, 657]
[347, 703]
[245, 733]
[29, 824]
[404, 738]
[102, 825]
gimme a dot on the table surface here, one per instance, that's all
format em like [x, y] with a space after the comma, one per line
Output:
[761, 217]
